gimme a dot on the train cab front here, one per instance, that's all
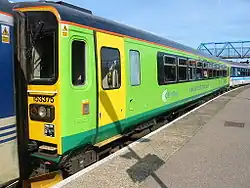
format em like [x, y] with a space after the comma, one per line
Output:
[38, 50]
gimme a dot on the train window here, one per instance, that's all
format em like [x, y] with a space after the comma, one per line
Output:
[110, 68]
[215, 71]
[235, 71]
[224, 71]
[199, 71]
[78, 63]
[210, 70]
[43, 60]
[221, 70]
[218, 71]
[205, 69]
[232, 71]
[42, 47]
[169, 68]
[182, 69]
[135, 72]
[238, 72]
[191, 69]
[241, 72]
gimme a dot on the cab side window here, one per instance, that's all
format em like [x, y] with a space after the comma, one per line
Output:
[110, 68]
[78, 63]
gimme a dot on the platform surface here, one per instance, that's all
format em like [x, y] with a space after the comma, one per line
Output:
[210, 147]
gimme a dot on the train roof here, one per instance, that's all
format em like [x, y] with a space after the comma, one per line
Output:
[85, 17]
[235, 64]
[6, 6]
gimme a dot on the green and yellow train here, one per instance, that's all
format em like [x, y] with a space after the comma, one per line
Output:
[91, 80]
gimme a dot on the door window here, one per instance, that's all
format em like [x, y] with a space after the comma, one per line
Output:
[110, 68]
[78, 63]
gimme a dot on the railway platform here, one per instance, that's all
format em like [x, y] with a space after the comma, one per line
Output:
[208, 147]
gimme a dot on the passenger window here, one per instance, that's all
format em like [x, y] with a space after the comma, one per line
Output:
[110, 68]
[214, 70]
[238, 72]
[225, 71]
[135, 68]
[78, 63]
[191, 70]
[199, 71]
[221, 70]
[182, 69]
[242, 72]
[210, 70]
[169, 69]
[205, 69]
[217, 71]
[232, 71]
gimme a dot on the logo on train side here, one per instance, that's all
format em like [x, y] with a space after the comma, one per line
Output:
[65, 30]
[5, 30]
[166, 94]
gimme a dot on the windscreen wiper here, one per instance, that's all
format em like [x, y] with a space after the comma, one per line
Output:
[38, 29]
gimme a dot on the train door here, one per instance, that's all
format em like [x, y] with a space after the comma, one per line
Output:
[111, 81]
[8, 131]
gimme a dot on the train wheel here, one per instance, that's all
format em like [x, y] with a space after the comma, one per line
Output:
[78, 161]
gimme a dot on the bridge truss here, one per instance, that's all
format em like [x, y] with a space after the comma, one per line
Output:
[227, 50]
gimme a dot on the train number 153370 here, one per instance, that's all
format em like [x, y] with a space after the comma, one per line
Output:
[43, 99]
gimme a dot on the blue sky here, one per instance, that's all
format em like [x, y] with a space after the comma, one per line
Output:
[189, 22]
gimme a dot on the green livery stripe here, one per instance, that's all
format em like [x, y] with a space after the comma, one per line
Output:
[94, 136]
[53, 159]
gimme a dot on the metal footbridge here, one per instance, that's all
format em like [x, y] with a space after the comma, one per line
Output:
[227, 50]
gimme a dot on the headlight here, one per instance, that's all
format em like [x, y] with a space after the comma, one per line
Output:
[44, 113]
